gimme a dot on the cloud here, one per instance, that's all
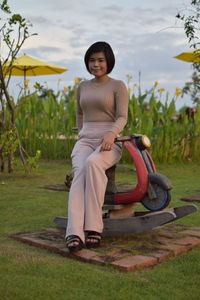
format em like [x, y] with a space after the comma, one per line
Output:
[113, 8]
[143, 35]
[40, 20]
[43, 51]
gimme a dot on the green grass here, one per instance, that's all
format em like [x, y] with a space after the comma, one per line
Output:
[30, 273]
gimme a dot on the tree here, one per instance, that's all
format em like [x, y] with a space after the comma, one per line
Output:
[191, 19]
[193, 88]
[14, 31]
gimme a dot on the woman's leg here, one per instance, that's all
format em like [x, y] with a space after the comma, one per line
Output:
[76, 203]
[95, 185]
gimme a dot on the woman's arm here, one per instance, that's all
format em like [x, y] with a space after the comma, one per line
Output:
[79, 113]
[121, 101]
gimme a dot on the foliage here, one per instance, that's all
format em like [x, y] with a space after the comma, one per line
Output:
[32, 162]
[5, 7]
[173, 134]
[191, 20]
[46, 124]
[193, 88]
[10, 143]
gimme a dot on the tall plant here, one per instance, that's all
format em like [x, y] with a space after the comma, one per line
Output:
[47, 124]
[14, 31]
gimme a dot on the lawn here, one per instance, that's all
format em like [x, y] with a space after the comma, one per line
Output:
[30, 273]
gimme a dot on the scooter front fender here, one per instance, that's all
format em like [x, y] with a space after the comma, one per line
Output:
[161, 180]
[142, 175]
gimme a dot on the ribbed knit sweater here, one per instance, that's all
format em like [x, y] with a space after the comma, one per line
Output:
[102, 102]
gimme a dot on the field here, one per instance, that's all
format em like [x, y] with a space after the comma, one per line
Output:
[29, 273]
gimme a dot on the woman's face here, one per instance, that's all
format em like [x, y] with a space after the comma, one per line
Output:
[97, 64]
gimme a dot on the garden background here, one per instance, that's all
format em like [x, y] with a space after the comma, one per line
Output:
[38, 126]
[46, 123]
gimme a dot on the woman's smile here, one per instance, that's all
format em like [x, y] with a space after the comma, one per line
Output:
[98, 64]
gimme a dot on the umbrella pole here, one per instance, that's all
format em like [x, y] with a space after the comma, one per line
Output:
[25, 83]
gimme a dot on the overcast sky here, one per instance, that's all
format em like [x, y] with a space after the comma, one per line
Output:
[145, 35]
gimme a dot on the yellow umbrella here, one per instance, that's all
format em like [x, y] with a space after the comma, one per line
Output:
[190, 56]
[28, 66]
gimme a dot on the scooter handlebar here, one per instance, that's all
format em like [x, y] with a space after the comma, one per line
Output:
[127, 138]
[123, 138]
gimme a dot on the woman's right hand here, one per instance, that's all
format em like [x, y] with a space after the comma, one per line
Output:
[108, 141]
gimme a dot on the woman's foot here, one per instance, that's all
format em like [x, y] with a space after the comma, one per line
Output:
[93, 239]
[74, 243]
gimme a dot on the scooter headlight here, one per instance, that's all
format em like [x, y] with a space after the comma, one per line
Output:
[146, 141]
[142, 142]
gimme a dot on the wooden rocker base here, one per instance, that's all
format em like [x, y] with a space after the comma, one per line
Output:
[140, 222]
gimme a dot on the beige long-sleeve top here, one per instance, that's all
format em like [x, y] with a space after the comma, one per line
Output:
[102, 102]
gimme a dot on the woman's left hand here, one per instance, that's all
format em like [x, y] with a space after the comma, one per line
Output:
[108, 141]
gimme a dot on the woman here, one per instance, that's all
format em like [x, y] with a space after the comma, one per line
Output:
[102, 105]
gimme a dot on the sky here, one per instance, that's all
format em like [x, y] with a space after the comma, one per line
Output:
[145, 37]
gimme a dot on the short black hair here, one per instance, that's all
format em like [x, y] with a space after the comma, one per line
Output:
[101, 47]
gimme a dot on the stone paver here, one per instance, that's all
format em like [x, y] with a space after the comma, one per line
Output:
[168, 234]
[176, 249]
[125, 254]
[191, 198]
[135, 262]
[162, 255]
[188, 241]
[191, 232]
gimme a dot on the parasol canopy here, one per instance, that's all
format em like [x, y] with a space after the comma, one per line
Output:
[190, 56]
[26, 65]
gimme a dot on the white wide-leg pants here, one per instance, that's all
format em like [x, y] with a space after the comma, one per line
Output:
[86, 196]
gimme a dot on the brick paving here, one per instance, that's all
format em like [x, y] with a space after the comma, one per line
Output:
[125, 253]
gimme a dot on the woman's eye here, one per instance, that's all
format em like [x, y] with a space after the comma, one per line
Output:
[97, 60]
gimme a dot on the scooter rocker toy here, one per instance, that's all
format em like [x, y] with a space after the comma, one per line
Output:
[152, 190]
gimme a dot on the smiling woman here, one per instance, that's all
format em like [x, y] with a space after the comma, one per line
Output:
[102, 107]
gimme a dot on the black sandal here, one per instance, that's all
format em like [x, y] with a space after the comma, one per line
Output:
[74, 239]
[93, 239]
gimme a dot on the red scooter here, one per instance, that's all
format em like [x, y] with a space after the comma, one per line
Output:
[152, 189]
